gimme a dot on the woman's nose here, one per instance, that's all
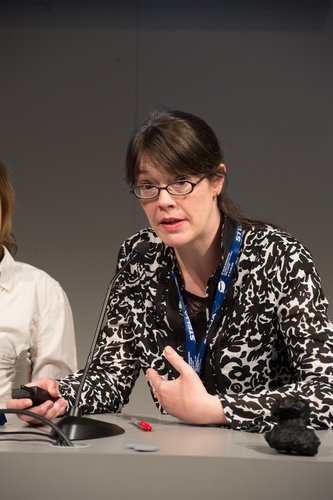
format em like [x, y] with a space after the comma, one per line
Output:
[165, 198]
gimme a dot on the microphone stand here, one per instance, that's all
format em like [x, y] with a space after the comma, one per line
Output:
[73, 424]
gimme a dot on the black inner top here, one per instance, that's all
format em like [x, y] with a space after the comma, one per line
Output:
[196, 309]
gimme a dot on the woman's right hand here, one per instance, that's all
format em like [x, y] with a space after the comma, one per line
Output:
[48, 409]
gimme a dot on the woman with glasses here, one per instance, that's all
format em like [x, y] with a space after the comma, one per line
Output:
[224, 314]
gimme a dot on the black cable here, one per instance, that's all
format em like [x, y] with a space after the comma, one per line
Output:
[49, 439]
[62, 442]
[18, 440]
[28, 432]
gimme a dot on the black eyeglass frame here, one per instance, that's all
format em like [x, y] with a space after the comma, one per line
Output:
[193, 184]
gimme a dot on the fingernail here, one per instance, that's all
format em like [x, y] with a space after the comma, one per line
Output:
[56, 388]
[168, 350]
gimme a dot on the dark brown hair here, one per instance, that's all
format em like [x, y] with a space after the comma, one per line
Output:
[7, 208]
[181, 143]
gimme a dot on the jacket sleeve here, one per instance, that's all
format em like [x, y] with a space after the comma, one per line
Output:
[308, 335]
[115, 366]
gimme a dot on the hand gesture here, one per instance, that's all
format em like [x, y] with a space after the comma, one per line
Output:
[185, 397]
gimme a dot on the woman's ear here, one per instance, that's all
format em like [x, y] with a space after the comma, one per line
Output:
[222, 168]
[219, 180]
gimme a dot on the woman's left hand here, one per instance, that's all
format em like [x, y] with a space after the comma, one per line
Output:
[185, 397]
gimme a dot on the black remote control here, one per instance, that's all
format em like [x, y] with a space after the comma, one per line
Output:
[36, 394]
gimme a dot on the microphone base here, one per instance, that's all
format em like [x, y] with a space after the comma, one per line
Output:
[77, 428]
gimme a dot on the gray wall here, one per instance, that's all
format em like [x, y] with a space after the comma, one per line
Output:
[77, 76]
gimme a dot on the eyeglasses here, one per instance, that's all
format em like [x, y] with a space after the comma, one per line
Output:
[176, 188]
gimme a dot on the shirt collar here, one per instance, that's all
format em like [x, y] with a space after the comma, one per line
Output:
[7, 265]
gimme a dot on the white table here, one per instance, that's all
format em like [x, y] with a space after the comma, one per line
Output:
[192, 463]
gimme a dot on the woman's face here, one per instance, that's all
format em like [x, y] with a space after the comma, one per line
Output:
[179, 221]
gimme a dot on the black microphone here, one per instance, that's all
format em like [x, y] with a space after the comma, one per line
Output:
[73, 425]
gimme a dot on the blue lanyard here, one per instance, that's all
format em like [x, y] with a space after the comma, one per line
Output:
[194, 358]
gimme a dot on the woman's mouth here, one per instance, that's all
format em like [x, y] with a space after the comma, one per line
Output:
[171, 223]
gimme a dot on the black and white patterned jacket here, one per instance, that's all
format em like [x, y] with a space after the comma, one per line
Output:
[271, 338]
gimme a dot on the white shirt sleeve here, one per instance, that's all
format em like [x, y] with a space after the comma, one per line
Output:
[36, 327]
[53, 350]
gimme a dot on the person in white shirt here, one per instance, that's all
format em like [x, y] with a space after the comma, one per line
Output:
[36, 324]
